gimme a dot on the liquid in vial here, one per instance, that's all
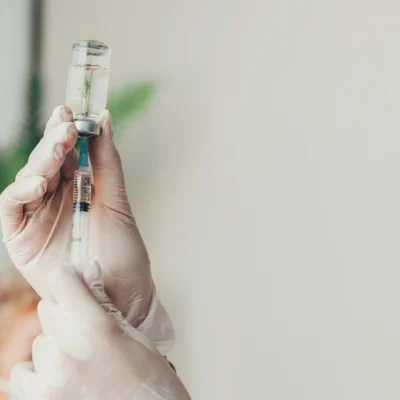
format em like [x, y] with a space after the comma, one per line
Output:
[87, 91]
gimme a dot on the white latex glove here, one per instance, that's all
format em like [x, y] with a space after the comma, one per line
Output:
[89, 353]
[36, 217]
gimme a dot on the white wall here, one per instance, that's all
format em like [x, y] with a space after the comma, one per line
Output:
[265, 180]
[14, 30]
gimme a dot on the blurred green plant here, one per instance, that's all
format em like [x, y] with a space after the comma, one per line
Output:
[124, 105]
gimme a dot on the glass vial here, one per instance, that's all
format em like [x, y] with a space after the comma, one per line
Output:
[88, 85]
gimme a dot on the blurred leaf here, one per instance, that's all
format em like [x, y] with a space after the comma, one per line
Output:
[35, 128]
[3, 174]
[17, 160]
[31, 130]
[11, 163]
[128, 102]
[14, 158]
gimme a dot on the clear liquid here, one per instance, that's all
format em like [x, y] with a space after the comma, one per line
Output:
[87, 91]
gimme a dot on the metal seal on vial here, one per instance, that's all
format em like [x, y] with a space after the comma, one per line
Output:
[87, 128]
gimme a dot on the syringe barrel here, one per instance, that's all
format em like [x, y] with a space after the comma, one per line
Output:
[81, 218]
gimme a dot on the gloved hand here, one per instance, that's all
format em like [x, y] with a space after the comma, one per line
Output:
[36, 216]
[89, 353]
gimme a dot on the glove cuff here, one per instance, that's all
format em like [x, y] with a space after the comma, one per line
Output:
[157, 326]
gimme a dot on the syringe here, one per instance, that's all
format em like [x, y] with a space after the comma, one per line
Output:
[82, 197]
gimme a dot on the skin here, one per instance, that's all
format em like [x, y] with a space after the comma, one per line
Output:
[16, 346]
